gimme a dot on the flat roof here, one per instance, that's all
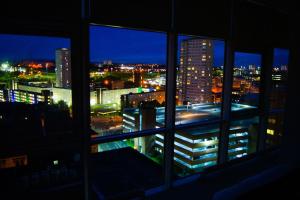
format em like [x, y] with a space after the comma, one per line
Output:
[194, 112]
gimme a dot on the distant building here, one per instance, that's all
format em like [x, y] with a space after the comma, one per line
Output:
[34, 94]
[107, 62]
[284, 68]
[132, 100]
[26, 96]
[195, 71]
[138, 78]
[63, 68]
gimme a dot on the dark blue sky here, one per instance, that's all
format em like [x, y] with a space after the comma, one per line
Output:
[19, 47]
[127, 46]
[281, 57]
[118, 45]
[245, 59]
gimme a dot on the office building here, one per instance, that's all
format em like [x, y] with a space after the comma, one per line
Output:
[195, 71]
[63, 68]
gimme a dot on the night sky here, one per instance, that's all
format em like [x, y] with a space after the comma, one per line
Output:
[118, 45]
[16, 48]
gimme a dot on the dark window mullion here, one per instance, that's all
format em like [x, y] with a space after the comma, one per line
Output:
[170, 99]
[226, 105]
[227, 88]
[266, 81]
[124, 136]
[81, 95]
[170, 108]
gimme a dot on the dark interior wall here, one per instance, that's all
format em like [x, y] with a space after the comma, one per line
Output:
[47, 17]
[204, 18]
[291, 138]
[59, 10]
[154, 14]
[256, 24]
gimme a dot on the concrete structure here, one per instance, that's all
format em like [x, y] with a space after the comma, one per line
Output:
[195, 148]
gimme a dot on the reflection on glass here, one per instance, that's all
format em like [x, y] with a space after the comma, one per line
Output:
[124, 166]
[246, 79]
[36, 114]
[127, 80]
[199, 79]
[275, 129]
[243, 137]
[279, 79]
[278, 96]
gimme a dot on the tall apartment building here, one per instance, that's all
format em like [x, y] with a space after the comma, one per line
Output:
[63, 68]
[195, 71]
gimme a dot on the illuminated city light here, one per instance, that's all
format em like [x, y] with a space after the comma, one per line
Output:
[270, 131]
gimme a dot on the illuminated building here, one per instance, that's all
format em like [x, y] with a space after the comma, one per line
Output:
[133, 99]
[63, 68]
[195, 148]
[35, 94]
[141, 119]
[24, 96]
[195, 71]
[3, 95]
[114, 96]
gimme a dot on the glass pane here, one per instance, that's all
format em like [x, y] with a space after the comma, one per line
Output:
[199, 79]
[246, 80]
[278, 97]
[275, 129]
[127, 80]
[127, 167]
[195, 149]
[243, 137]
[36, 114]
[279, 79]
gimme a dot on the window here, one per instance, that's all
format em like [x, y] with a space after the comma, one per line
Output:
[195, 149]
[246, 81]
[127, 164]
[243, 137]
[127, 94]
[199, 97]
[278, 94]
[127, 80]
[36, 113]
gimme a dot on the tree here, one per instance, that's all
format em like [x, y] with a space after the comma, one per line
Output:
[62, 105]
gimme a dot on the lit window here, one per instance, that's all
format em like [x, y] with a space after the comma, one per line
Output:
[270, 131]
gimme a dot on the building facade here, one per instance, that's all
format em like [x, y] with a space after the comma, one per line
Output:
[63, 68]
[195, 71]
